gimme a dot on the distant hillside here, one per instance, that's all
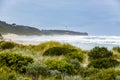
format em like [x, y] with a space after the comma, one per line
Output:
[18, 29]
[6, 28]
[62, 32]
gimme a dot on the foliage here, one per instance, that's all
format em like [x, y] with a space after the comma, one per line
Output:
[105, 74]
[5, 75]
[99, 52]
[7, 45]
[54, 73]
[75, 55]
[116, 49]
[35, 69]
[88, 72]
[104, 63]
[56, 51]
[60, 65]
[1, 37]
[15, 61]
[26, 79]
[76, 65]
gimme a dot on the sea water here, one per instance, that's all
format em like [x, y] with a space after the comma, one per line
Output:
[83, 42]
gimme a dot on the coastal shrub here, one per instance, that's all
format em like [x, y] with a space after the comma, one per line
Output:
[76, 65]
[7, 45]
[75, 55]
[57, 51]
[35, 69]
[26, 78]
[89, 72]
[99, 52]
[5, 75]
[116, 49]
[53, 73]
[15, 61]
[104, 63]
[60, 65]
[106, 74]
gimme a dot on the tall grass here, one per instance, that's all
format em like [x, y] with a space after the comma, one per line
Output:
[36, 52]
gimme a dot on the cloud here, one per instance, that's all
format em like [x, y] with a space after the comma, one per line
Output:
[52, 13]
[114, 9]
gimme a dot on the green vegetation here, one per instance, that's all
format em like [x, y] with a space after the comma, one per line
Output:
[60, 65]
[99, 52]
[88, 72]
[56, 61]
[1, 37]
[35, 69]
[104, 63]
[75, 55]
[7, 45]
[15, 61]
[57, 51]
[106, 74]
[7, 75]
[116, 49]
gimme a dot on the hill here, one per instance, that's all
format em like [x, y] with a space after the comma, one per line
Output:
[62, 32]
[6, 28]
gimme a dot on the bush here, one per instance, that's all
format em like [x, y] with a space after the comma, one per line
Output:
[105, 74]
[57, 51]
[99, 52]
[116, 49]
[35, 69]
[104, 63]
[75, 55]
[60, 65]
[76, 65]
[88, 72]
[54, 73]
[7, 45]
[26, 79]
[5, 75]
[15, 61]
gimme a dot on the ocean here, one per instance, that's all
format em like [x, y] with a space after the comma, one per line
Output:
[83, 42]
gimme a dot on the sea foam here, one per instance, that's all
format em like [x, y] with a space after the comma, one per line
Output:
[85, 42]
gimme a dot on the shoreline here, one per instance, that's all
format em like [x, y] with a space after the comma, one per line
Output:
[83, 42]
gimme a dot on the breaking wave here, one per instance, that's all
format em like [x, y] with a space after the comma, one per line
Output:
[84, 42]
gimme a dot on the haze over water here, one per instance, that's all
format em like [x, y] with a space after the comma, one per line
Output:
[83, 42]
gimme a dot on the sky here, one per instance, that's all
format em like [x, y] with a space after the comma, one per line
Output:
[97, 17]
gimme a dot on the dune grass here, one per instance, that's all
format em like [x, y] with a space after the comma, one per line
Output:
[69, 55]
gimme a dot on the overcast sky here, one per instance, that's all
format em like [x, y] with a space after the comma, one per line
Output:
[97, 17]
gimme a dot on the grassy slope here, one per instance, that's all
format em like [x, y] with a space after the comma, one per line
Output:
[36, 52]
